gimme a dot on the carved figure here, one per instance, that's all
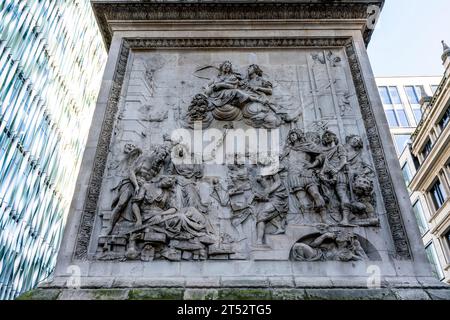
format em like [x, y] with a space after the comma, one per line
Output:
[356, 165]
[156, 197]
[334, 172]
[186, 170]
[142, 173]
[302, 179]
[230, 97]
[238, 195]
[364, 203]
[330, 246]
[259, 113]
[226, 96]
[361, 177]
[140, 169]
[271, 203]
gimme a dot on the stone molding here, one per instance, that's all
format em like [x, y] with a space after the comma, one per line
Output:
[194, 10]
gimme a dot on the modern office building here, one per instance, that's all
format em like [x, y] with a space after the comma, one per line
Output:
[401, 98]
[431, 151]
[51, 63]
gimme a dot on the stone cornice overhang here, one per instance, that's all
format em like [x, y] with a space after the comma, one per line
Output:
[229, 10]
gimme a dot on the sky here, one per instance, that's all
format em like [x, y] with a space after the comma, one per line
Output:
[407, 38]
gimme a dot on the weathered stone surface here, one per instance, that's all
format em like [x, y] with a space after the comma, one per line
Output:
[201, 294]
[320, 212]
[411, 294]
[156, 294]
[93, 294]
[237, 294]
[350, 294]
[41, 294]
[245, 294]
[436, 294]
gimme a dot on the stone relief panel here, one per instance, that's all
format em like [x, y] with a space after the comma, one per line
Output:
[238, 155]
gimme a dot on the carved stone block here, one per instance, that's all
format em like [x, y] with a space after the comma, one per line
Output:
[242, 151]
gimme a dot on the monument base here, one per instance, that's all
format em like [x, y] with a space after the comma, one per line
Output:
[408, 289]
[324, 215]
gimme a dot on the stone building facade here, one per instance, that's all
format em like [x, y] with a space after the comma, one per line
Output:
[402, 98]
[430, 149]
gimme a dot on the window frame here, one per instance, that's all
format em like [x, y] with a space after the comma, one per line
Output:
[442, 191]
[395, 107]
[437, 264]
[397, 147]
[422, 216]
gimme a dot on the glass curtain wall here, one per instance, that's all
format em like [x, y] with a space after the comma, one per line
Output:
[51, 63]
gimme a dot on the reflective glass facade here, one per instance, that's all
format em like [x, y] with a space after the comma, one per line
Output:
[51, 63]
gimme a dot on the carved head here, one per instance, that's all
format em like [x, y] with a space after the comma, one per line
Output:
[344, 237]
[354, 141]
[255, 69]
[295, 135]
[362, 185]
[129, 148]
[167, 182]
[264, 180]
[160, 153]
[313, 137]
[329, 137]
[226, 67]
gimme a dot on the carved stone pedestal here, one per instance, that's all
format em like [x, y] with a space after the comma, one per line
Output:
[240, 149]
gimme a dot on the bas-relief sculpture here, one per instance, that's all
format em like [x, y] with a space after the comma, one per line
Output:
[166, 210]
[332, 246]
[332, 211]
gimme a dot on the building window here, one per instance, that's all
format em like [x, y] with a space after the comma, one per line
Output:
[401, 116]
[434, 261]
[420, 218]
[394, 109]
[414, 94]
[401, 141]
[395, 96]
[385, 95]
[417, 114]
[438, 194]
[416, 162]
[427, 149]
[407, 175]
[391, 117]
[447, 238]
[447, 245]
[445, 119]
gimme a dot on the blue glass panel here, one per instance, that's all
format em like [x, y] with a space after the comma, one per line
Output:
[395, 97]
[46, 46]
[412, 95]
[401, 141]
[402, 118]
[384, 93]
